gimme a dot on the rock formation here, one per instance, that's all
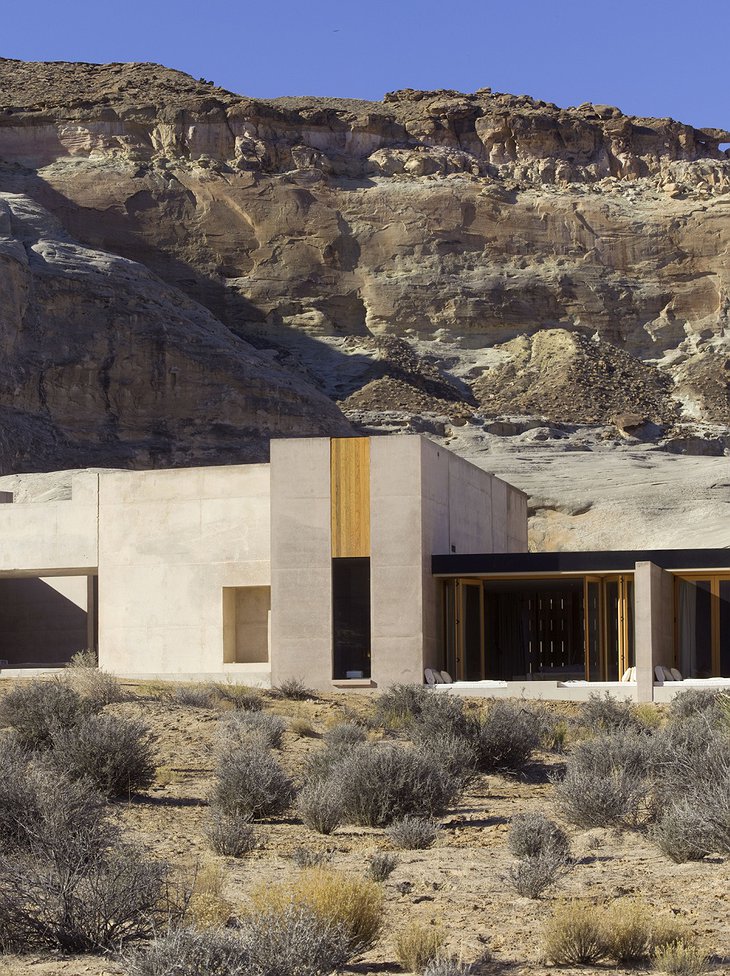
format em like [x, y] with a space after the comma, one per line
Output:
[186, 271]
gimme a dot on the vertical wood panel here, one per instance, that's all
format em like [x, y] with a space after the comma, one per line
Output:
[350, 481]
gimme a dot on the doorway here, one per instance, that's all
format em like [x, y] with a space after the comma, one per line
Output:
[702, 625]
[560, 628]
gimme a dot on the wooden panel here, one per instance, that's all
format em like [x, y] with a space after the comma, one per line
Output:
[350, 481]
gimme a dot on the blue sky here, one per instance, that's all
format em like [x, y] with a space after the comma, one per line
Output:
[648, 57]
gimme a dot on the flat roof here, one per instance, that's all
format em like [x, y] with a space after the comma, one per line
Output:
[604, 561]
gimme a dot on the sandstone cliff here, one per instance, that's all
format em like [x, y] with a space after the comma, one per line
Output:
[186, 271]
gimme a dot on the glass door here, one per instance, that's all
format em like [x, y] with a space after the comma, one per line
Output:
[723, 599]
[592, 627]
[470, 631]
[703, 625]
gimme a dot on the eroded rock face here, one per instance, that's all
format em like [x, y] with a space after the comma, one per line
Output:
[563, 263]
[103, 363]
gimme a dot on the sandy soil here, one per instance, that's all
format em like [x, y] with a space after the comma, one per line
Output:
[459, 882]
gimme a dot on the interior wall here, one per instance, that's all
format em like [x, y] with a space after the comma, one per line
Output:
[42, 621]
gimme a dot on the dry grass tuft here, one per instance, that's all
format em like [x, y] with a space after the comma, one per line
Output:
[354, 904]
[208, 907]
[418, 945]
[574, 935]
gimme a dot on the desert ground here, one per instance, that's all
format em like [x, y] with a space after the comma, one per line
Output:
[458, 884]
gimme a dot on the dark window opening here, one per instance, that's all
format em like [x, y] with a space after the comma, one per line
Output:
[351, 617]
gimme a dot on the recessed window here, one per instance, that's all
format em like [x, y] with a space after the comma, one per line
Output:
[351, 617]
[246, 624]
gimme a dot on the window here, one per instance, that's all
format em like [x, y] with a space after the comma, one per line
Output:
[351, 617]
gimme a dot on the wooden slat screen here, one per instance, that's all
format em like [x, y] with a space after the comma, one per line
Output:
[350, 484]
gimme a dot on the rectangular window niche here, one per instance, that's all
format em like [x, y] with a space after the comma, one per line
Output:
[246, 624]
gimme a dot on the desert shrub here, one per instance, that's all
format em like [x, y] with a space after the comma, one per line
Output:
[240, 697]
[608, 780]
[344, 735]
[554, 731]
[447, 966]
[608, 714]
[115, 754]
[508, 735]
[678, 831]
[627, 930]
[532, 876]
[696, 701]
[680, 958]
[574, 935]
[99, 687]
[84, 900]
[383, 782]
[305, 857]
[436, 715]
[303, 728]
[418, 945]
[413, 833]
[250, 782]
[320, 804]
[353, 905]
[692, 795]
[648, 716]
[381, 865]
[295, 940]
[590, 799]
[397, 707]
[36, 709]
[458, 757]
[190, 952]
[532, 834]
[207, 905]
[229, 835]
[244, 729]
[88, 658]
[294, 689]
[290, 942]
[44, 814]
[192, 695]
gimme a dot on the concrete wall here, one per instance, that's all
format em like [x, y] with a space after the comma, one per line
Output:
[423, 500]
[169, 542]
[48, 538]
[654, 609]
[465, 510]
[301, 575]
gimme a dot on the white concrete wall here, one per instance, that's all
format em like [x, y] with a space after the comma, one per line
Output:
[49, 538]
[301, 573]
[169, 542]
[396, 559]
[465, 510]
[653, 596]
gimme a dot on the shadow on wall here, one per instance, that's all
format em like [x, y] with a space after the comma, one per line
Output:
[40, 626]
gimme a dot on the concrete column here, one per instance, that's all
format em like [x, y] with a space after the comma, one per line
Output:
[396, 560]
[301, 561]
[653, 628]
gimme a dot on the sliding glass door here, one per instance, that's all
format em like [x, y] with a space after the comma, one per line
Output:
[702, 604]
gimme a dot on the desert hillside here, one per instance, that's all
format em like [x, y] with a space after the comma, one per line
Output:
[186, 272]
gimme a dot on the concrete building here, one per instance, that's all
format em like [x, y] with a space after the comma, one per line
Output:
[353, 562]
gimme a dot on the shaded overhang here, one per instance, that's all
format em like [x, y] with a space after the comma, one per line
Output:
[604, 561]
